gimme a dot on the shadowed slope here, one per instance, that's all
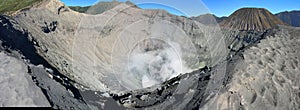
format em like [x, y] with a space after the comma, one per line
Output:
[291, 18]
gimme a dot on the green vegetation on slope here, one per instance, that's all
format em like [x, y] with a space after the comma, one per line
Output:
[99, 7]
[10, 6]
[102, 7]
[79, 8]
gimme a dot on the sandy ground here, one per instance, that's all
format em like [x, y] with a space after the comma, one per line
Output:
[268, 77]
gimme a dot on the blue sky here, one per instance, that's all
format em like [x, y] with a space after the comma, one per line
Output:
[226, 7]
[197, 7]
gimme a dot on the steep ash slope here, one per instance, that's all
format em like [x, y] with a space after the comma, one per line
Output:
[87, 51]
[266, 75]
[58, 89]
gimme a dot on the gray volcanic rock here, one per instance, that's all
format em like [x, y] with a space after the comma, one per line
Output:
[59, 95]
[17, 87]
[255, 19]
[291, 18]
[237, 40]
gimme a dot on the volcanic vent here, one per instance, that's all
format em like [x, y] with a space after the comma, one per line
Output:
[258, 19]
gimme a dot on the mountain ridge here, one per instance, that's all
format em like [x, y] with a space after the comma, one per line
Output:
[208, 19]
[99, 7]
[258, 19]
[290, 17]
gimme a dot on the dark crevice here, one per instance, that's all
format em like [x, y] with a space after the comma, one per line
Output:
[50, 28]
[161, 94]
[198, 98]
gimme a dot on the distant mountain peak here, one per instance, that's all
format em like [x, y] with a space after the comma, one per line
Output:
[99, 7]
[208, 19]
[258, 19]
[252, 8]
[290, 17]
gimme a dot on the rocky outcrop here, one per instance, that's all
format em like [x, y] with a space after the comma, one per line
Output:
[17, 87]
[253, 19]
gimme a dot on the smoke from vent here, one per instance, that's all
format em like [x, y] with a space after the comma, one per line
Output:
[154, 61]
